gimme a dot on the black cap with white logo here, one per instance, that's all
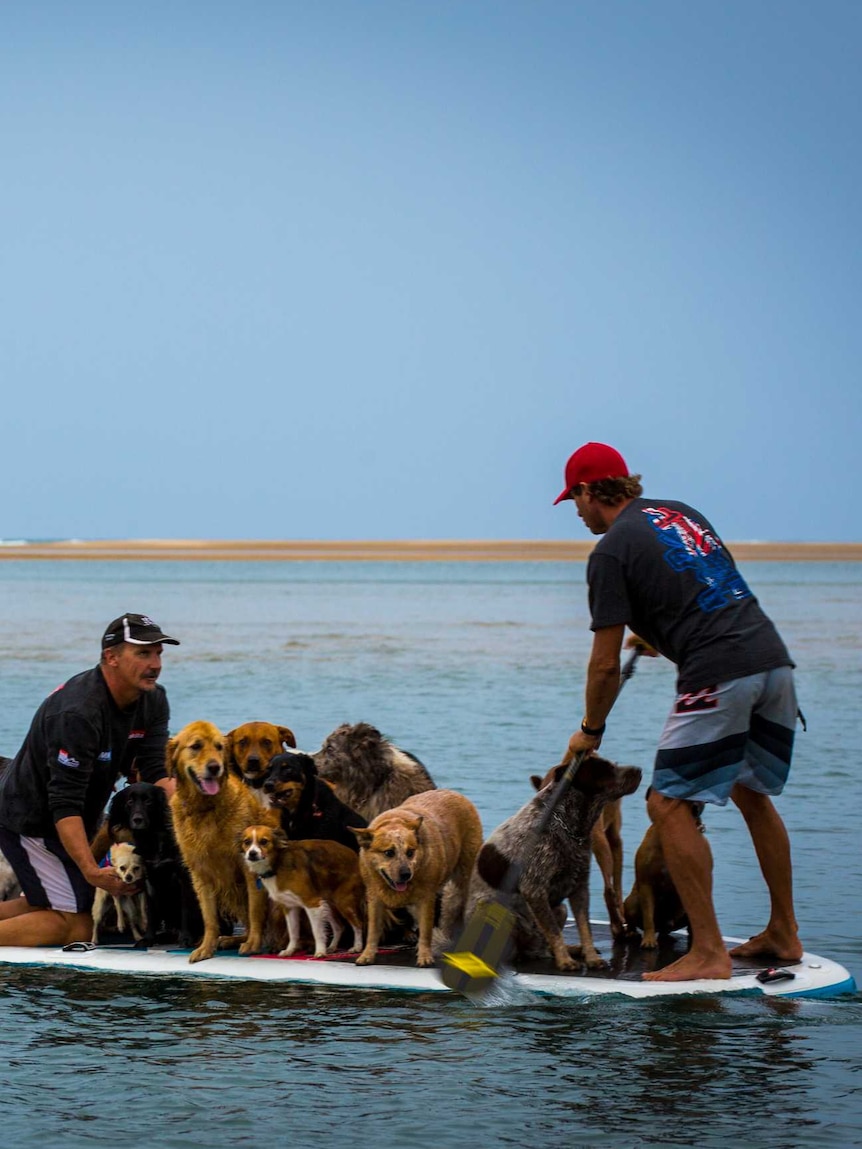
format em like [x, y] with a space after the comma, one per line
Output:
[138, 629]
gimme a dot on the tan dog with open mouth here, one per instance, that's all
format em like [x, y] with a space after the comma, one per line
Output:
[250, 748]
[408, 855]
[211, 808]
[317, 875]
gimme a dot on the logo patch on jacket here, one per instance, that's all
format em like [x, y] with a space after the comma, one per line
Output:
[137, 734]
[66, 759]
[105, 756]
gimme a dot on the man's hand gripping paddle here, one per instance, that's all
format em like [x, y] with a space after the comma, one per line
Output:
[484, 945]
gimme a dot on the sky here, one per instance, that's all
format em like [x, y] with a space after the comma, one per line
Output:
[372, 269]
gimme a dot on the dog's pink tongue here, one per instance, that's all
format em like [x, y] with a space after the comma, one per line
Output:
[400, 887]
[210, 785]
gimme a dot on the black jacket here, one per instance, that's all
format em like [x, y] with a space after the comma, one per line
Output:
[79, 743]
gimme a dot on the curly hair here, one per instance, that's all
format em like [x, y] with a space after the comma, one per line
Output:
[614, 491]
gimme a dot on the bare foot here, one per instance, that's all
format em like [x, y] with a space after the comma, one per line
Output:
[691, 967]
[770, 944]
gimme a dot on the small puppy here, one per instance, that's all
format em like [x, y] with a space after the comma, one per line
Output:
[408, 855]
[308, 806]
[318, 876]
[368, 772]
[250, 748]
[131, 908]
[556, 864]
[653, 905]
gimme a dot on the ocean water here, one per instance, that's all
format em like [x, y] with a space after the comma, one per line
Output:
[478, 669]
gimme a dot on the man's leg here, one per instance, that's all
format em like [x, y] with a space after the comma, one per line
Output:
[780, 939]
[689, 862]
[14, 907]
[38, 927]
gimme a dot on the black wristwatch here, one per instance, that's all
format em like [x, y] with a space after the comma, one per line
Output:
[592, 732]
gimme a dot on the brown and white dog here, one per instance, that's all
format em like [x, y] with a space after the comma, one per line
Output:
[556, 865]
[250, 748]
[367, 771]
[411, 853]
[318, 876]
[131, 908]
[653, 905]
[211, 808]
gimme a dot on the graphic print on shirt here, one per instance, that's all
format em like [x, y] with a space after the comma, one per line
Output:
[690, 546]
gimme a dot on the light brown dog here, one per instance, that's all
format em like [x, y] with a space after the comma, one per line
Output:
[606, 840]
[315, 875]
[211, 808]
[408, 855]
[654, 905]
[131, 908]
[250, 748]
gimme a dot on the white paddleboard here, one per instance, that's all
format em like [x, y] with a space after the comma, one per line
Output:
[812, 976]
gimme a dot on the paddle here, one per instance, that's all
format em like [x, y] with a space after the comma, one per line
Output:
[485, 941]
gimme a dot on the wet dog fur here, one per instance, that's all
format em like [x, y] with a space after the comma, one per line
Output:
[319, 876]
[556, 865]
[653, 906]
[131, 908]
[411, 853]
[308, 807]
[370, 774]
[251, 747]
[211, 809]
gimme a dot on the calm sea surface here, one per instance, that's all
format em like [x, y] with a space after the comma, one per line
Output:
[479, 670]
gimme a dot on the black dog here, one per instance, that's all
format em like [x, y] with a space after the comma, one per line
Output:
[140, 814]
[308, 806]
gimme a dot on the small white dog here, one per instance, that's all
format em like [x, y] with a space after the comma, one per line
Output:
[131, 908]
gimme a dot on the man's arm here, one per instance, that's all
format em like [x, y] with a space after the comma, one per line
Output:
[603, 683]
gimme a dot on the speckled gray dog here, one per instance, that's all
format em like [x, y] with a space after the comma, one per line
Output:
[557, 865]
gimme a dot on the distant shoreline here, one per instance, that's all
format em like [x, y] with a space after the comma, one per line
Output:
[406, 550]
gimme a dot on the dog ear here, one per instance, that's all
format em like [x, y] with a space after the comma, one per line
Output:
[537, 781]
[363, 836]
[279, 838]
[230, 761]
[287, 736]
[171, 752]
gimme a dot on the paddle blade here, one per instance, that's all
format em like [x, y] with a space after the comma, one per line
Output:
[474, 964]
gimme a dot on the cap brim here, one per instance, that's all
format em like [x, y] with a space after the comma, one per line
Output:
[562, 495]
[163, 640]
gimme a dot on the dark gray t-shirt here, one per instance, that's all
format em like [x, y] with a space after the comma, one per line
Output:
[662, 570]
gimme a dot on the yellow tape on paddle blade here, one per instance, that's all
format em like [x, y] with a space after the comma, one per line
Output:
[470, 964]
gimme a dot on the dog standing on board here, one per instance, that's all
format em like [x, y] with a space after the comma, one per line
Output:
[131, 908]
[211, 809]
[319, 877]
[369, 773]
[556, 865]
[251, 747]
[411, 853]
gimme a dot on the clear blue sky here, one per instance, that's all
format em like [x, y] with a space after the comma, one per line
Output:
[374, 268]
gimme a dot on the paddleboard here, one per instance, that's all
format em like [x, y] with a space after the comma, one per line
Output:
[812, 976]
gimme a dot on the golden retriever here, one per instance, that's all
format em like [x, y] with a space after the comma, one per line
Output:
[211, 808]
[408, 855]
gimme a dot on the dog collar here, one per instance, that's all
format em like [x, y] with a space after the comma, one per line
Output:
[261, 878]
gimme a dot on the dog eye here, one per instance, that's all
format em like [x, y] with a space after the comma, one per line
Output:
[243, 742]
[410, 852]
[219, 745]
[266, 743]
[390, 853]
[196, 746]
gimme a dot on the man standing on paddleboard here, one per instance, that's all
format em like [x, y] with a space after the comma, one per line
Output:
[661, 569]
[90, 731]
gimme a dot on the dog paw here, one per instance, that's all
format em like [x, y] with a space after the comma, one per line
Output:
[566, 963]
[424, 960]
[649, 942]
[596, 962]
[202, 953]
[365, 958]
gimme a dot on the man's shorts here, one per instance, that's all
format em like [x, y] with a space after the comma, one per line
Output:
[736, 732]
[49, 878]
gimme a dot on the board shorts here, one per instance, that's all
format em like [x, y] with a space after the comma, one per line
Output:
[736, 732]
[48, 877]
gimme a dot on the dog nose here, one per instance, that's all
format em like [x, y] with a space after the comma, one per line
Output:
[253, 854]
[213, 766]
[138, 822]
[268, 787]
[405, 875]
[252, 763]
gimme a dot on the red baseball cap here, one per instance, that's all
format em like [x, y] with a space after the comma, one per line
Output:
[590, 463]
